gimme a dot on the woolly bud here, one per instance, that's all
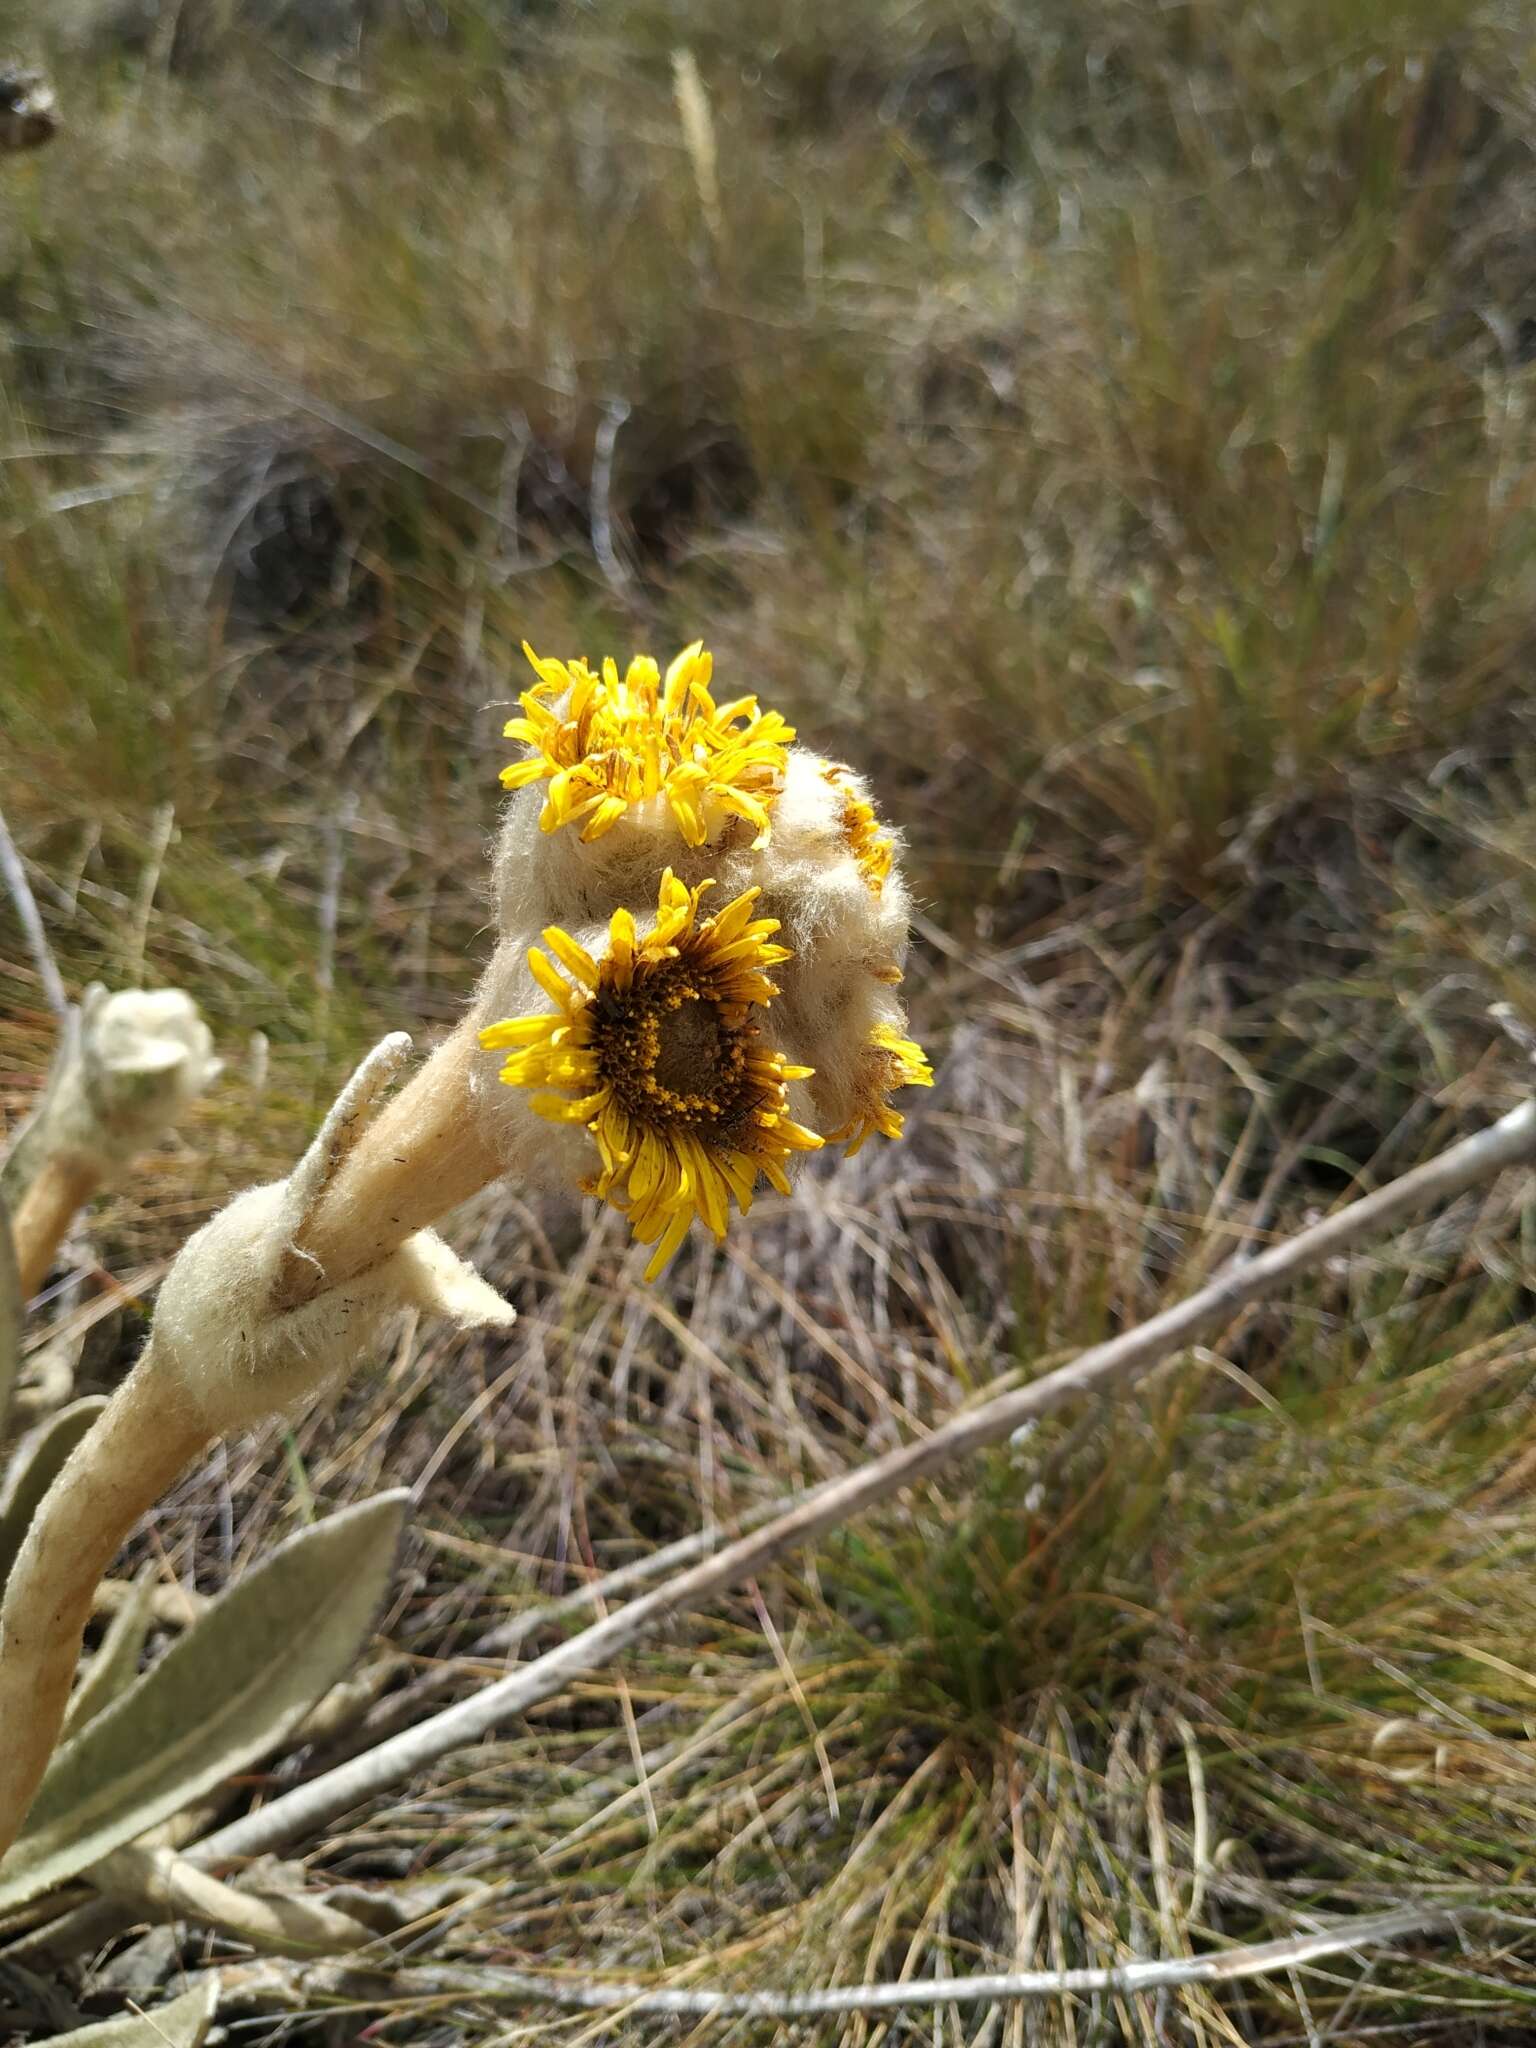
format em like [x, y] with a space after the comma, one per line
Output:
[146, 1055]
[828, 874]
[660, 846]
[220, 1347]
[129, 1064]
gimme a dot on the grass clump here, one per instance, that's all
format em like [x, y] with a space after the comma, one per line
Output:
[1198, 1676]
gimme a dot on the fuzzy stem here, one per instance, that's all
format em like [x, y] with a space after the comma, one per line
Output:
[422, 1154]
[118, 1469]
[61, 1187]
[419, 1157]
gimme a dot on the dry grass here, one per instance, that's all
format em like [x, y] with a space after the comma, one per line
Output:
[1113, 431]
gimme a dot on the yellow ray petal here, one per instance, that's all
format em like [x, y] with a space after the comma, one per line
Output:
[517, 1031]
[575, 959]
[548, 976]
[671, 1238]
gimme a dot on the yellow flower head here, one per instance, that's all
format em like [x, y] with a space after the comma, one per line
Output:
[652, 1047]
[890, 1062]
[861, 828]
[604, 744]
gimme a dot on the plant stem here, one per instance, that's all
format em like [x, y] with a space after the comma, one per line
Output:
[58, 1191]
[420, 1154]
[137, 1447]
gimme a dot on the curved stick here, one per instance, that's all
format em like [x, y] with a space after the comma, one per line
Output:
[262, 1984]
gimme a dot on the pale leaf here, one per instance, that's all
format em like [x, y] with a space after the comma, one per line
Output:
[227, 1693]
[181, 2024]
[33, 1468]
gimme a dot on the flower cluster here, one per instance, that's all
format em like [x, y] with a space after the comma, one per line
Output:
[604, 745]
[691, 1053]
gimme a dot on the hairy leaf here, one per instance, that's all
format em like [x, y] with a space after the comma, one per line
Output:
[33, 1470]
[181, 2024]
[116, 1664]
[227, 1693]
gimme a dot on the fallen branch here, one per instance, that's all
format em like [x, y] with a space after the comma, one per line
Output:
[1120, 1362]
[306, 1989]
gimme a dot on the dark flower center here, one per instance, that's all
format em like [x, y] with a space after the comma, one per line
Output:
[671, 1052]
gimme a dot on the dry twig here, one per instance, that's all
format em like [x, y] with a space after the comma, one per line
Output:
[263, 1984]
[30, 919]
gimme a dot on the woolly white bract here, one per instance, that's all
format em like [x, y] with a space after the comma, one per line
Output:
[223, 1344]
